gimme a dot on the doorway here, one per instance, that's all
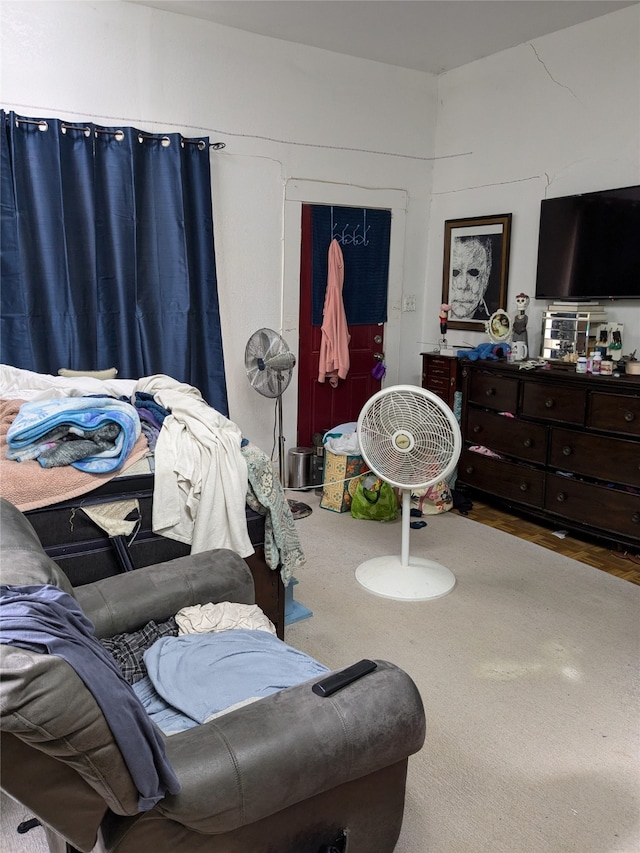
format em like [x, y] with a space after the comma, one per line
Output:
[298, 193]
[321, 407]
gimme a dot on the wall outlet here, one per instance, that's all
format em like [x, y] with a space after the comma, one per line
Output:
[409, 303]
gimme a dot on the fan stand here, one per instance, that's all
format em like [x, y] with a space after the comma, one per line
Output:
[405, 578]
[298, 509]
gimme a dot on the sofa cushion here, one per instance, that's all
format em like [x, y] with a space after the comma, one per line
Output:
[47, 620]
[45, 704]
[24, 563]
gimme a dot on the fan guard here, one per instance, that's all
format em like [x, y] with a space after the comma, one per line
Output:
[409, 437]
[269, 363]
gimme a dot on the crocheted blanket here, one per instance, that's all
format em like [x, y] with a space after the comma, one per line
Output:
[265, 495]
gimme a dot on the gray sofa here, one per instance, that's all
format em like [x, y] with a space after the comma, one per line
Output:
[292, 773]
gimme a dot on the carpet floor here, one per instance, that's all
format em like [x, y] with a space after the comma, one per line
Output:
[528, 673]
[527, 670]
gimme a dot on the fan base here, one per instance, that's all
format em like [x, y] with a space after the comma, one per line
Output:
[420, 580]
[299, 509]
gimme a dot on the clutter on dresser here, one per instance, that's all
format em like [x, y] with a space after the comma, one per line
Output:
[521, 320]
[631, 364]
[571, 329]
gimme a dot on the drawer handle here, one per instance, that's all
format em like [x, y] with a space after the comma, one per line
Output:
[635, 517]
[524, 487]
[566, 450]
[477, 429]
[629, 416]
[491, 392]
[561, 497]
[527, 442]
[469, 469]
[549, 403]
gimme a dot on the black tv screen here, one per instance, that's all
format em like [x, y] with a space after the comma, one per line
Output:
[589, 246]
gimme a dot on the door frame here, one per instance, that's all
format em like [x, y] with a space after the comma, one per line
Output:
[299, 191]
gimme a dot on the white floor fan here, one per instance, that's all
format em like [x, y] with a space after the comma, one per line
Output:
[409, 437]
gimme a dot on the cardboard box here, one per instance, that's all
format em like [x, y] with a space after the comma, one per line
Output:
[340, 479]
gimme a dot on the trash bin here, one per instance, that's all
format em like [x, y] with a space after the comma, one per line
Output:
[300, 459]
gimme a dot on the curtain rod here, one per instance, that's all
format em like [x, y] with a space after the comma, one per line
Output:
[118, 134]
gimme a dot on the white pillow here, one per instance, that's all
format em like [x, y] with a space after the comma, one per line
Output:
[110, 373]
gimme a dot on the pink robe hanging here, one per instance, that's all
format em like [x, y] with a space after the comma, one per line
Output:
[334, 346]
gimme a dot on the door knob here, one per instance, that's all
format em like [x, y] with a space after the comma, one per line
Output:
[379, 356]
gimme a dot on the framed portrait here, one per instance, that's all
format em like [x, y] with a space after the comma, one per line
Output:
[475, 269]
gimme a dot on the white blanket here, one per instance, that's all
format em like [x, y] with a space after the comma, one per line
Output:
[201, 476]
[16, 383]
[211, 618]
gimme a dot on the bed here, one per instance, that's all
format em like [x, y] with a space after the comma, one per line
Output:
[98, 524]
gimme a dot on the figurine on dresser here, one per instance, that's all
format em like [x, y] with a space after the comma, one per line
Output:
[443, 318]
[519, 327]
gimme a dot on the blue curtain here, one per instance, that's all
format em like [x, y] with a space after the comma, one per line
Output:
[107, 253]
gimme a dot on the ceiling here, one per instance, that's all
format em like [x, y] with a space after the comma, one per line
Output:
[425, 35]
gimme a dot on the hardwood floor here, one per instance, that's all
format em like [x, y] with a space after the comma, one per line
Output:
[623, 564]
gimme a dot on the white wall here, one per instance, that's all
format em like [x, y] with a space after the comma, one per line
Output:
[557, 116]
[122, 63]
[553, 117]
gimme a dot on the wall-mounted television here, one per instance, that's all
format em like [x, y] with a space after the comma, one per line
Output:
[589, 246]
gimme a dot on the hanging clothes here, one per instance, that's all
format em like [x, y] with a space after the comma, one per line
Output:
[334, 346]
[364, 236]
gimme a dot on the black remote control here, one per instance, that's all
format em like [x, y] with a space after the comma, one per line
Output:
[339, 680]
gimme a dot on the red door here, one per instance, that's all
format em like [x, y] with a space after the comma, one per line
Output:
[321, 407]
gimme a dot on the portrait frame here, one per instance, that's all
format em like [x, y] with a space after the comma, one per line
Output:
[495, 234]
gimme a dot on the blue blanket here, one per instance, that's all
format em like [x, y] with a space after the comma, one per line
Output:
[104, 428]
[198, 675]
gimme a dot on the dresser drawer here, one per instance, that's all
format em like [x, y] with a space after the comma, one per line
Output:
[433, 361]
[522, 439]
[614, 413]
[439, 366]
[499, 393]
[442, 383]
[593, 506]
[440, 375]
[508, 480]
[444, 395]
[601, 457]
[554, 403]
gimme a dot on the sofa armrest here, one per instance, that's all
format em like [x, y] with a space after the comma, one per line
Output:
[280, 750]
[128, 601]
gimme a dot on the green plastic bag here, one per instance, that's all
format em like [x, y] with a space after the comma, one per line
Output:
[374, 499]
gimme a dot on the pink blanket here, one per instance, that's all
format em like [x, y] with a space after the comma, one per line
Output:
[28, 485]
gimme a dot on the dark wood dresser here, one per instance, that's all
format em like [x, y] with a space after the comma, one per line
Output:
[561, 446]
[441, 374]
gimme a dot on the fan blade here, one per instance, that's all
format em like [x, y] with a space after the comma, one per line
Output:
[265, 342]
[258, 346]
